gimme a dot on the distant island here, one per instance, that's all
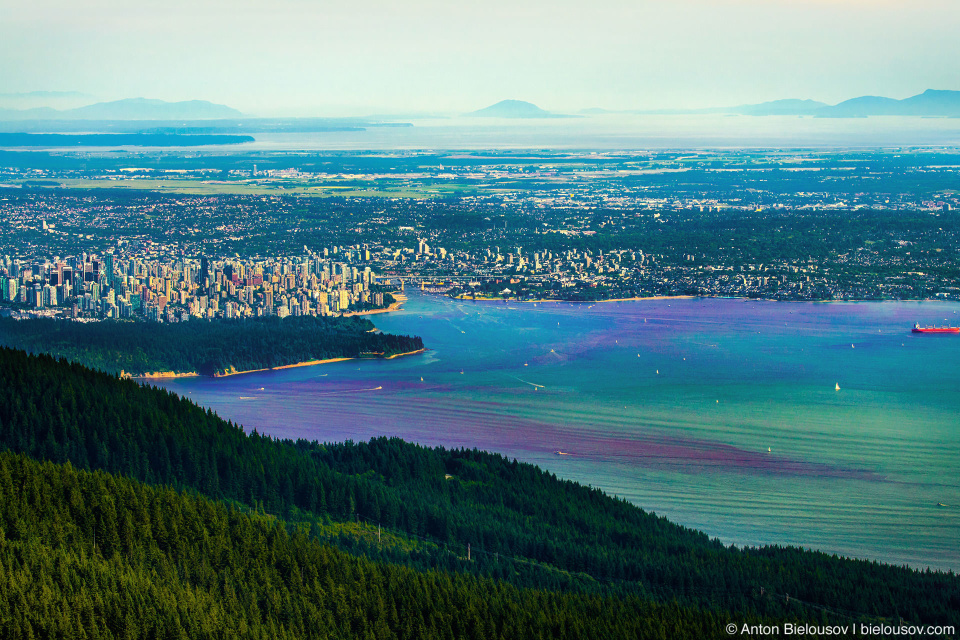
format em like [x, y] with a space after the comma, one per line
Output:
[201, 116]
[128, 109]
[188, 126]
[515, 109]
[211, 348]
[117, 139]
[930, 103]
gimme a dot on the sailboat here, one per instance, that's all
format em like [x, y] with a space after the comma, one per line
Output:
[837, 387]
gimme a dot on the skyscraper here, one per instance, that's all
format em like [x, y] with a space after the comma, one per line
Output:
[108, 269]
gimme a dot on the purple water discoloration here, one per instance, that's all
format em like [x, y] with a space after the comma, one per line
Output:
[720, 414]
[363, 411]
[695, 456]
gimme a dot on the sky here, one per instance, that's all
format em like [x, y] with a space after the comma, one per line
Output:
[360, 57]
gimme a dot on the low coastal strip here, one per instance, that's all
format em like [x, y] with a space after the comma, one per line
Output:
[159, 375]
[538, 300]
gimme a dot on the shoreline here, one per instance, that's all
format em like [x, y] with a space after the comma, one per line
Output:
[702, 297]
[407, 353]
[160, 375]
[399, 299]
[167, 375]
[538, 300]
[640, 298]
[164, 375]
[307, 363]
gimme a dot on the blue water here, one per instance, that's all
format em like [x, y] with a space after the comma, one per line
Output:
[623, 132]
[720, 414]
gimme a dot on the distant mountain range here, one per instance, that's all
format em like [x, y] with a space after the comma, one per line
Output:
[129, 109]
[515, 109]
[931, 102]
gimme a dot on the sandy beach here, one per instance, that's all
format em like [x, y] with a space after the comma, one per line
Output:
[482, 299]
[641, 298]
[408, 353]
[308, 363]
[166, 375]
[230, 372]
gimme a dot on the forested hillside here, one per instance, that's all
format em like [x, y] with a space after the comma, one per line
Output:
[87, 555]
[524, 525]
[205, 347]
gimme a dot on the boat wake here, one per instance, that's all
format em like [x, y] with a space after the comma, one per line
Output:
[532, 384]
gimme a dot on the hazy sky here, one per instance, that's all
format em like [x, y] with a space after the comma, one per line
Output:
[364, 56]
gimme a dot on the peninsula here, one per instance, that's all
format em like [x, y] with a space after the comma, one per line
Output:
[212, 348]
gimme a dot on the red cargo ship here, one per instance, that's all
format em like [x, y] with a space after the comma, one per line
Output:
[946, 329]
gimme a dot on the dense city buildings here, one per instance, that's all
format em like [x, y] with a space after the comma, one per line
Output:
[158, 288]
[171, 237]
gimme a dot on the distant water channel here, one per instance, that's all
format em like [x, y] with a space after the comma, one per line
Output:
[616, 132]
[722, 415]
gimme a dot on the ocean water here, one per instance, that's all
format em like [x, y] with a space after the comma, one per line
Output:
[720, 414]
[606, 133]
[623, 132]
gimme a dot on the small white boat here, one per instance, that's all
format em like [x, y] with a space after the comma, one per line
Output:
[837, 387]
